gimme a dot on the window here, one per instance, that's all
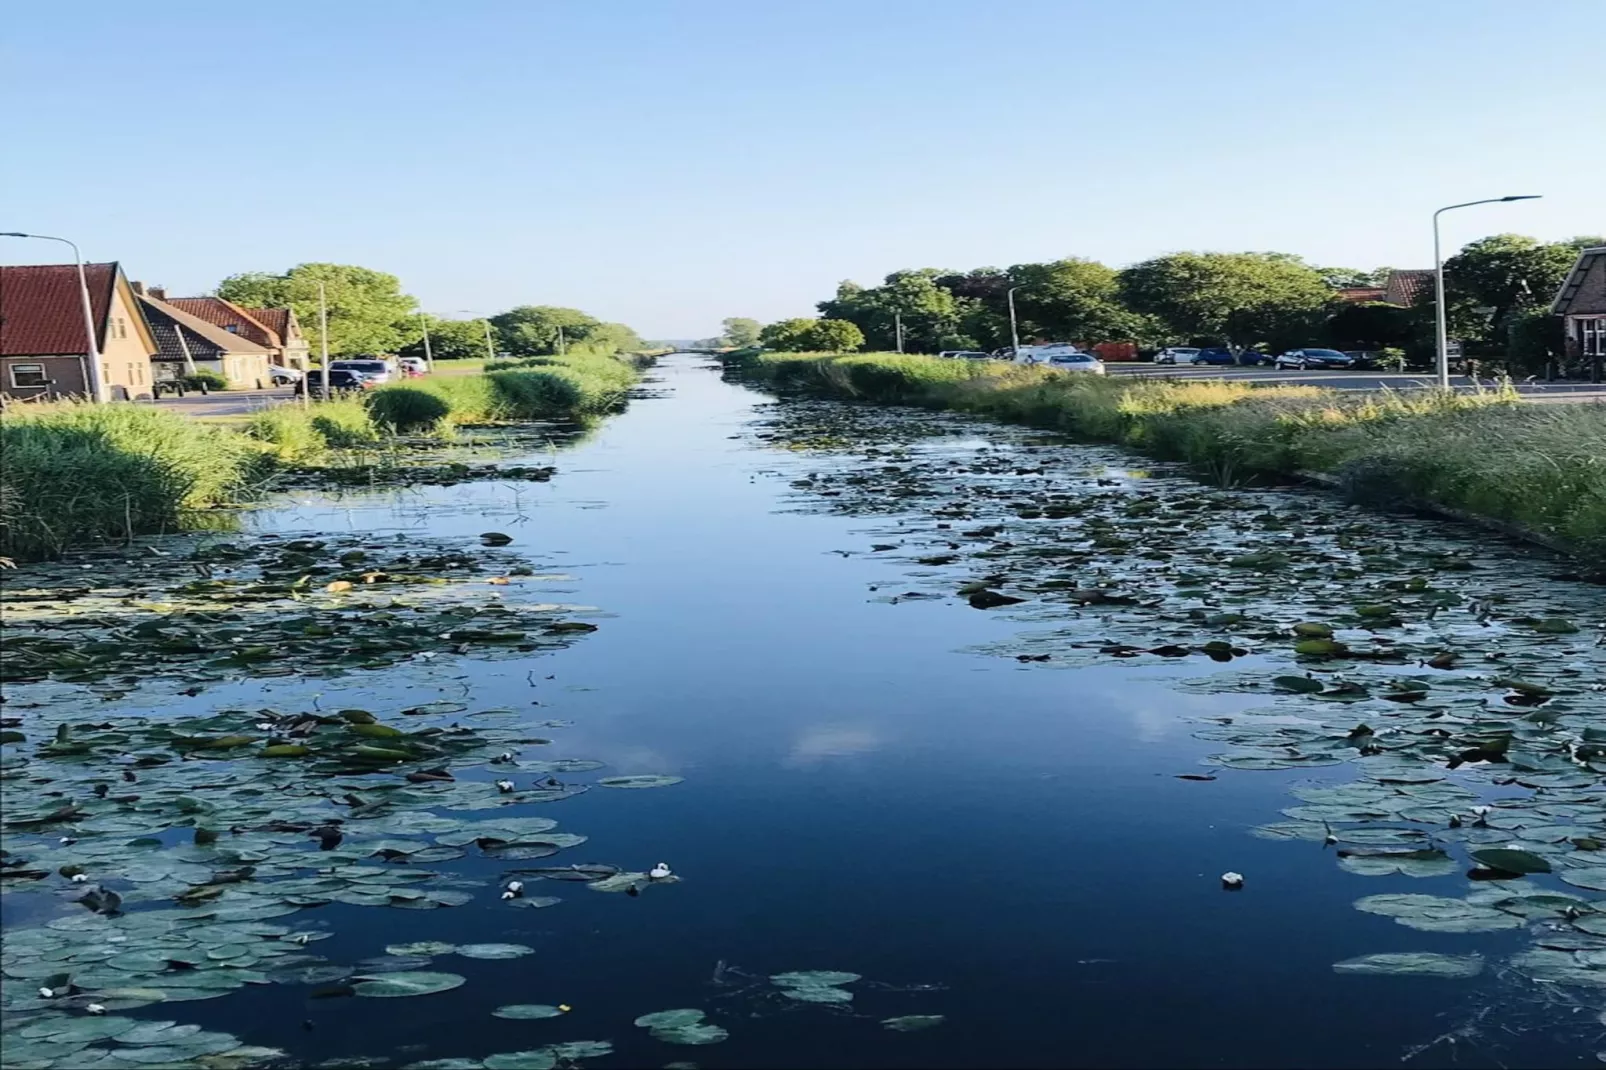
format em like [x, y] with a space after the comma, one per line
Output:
[131, 372]
[1592, 336]
[28, 375]
[105, 374]
[232, 328]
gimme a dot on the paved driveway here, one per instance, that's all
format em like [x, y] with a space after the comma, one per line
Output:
[1345, 380]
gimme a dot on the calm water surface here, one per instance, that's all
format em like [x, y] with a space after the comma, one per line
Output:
[1005, 846]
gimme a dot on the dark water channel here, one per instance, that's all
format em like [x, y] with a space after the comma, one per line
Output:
[871, 786]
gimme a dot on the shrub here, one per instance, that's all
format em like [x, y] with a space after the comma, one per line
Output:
[295, 431]
[205, 377]
[408, 408]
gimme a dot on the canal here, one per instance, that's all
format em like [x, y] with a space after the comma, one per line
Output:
[977, 715]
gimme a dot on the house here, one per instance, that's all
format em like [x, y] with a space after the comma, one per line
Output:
[1406, 287]
[1581, 302]
[183, 339]
[43, 344]
[1360, 295]
[276, 328]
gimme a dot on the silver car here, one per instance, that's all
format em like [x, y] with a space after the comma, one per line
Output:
[1075, 362]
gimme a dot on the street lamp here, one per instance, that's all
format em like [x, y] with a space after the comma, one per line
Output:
[92, 380]
[1014, 330]
[1442, 332]
[429, 358]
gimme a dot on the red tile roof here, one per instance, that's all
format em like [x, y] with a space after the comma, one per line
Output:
[276, 320]
[1357, 294]
[1407, 286]
[227, 314]
[42, 312]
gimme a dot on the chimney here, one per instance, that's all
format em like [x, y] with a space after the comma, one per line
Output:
[159, 292]
[139, 287]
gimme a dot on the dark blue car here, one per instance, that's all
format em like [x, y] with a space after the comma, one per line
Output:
[1216, 355]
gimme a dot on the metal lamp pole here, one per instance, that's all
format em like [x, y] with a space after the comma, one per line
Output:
[92, 379]
[429, 358]
[897, 327]
[1441, 328]
[1014, 330]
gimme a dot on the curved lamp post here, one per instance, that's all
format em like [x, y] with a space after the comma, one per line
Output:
[1442, 333]
[92, 380]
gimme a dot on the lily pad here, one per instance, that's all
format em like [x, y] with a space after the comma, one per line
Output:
[527, 1011]
[640, 781]
[494, 951]
[912, 1023]
[1413, 963]
[411, 983]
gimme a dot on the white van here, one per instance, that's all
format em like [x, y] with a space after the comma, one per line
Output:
[1043, 353]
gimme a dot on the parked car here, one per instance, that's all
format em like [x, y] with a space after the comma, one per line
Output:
[1362, 358]
[341, 381]
[1215, 355]
[412, 367]
[1312, 358]
[1251, 359]
[372, 368]
[1178, 355]
[283, 376]
[964, 354]
[1076, 362]
[1041, 354]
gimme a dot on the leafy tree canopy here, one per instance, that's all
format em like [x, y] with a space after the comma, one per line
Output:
[1240, 298]
[367, 310]
[740, 331]
[448, 340]
[534, 330]
[812, 336]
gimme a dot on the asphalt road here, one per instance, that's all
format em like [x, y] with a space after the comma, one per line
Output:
[224, 402]
[1345, 380]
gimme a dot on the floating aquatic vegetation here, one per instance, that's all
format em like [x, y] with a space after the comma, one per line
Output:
[912, 1023]
[681, 1027]
[640, 781]
[1413, 963]
[815, 986]
[527, 1011]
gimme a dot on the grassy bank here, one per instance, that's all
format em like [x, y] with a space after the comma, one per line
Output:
[1539, 468]
[76, 474]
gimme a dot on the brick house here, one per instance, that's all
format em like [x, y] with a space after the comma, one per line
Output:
[43, 347]
[1581, 303]
[242, 363]
[276, 328]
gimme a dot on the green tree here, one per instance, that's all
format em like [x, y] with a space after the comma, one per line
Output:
[933, 317]
[740, 331]
[1375, 325]
[1239, 298]
[1341, 278]
[448, 340]
[1534, 337]
[1492, 280]
[788, 336]
[534, 330]
[835, 336]
[367, 310]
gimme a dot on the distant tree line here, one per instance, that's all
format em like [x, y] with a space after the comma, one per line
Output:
[369, 314]
[1498, 292]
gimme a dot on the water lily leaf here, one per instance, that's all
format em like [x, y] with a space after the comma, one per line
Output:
[570, 1050]
[1433, 913]
[1413, 963]
[413, 983]
[1591, 877]
[494, 951]
[1300, 684]
[657, 1019]
[1502, 858]
[799, 978]
[539, 1059]
[527, 1011]
[640, 781]
[911, 1023]
[375, 731]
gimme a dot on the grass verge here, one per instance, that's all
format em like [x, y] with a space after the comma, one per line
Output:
[1540, 469]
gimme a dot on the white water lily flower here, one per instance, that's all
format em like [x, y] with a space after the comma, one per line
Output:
[515, 887]
[47, 993]
[67, 841]
[504, 786]
[96, 1008]
[79, 878]
[1479, 811]
[509, 895]
[659, 872]
[1230, 879]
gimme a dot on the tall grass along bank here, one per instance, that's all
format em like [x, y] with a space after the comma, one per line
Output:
[74, 473]
[1538, 469]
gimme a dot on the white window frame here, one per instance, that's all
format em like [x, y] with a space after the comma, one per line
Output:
[1592, 337]
[30, 386]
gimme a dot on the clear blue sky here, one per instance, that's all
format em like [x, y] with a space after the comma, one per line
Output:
[670, 163]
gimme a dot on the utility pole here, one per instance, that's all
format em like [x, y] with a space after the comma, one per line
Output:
[897, 327]
[490, 349]
[429, 359]
[189, 361]
[561, 346]
[1014, 329]
[323, 342]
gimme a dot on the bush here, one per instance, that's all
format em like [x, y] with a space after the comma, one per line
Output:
[77, 473]
[408, 408]
[205, 377]
[296, 432]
